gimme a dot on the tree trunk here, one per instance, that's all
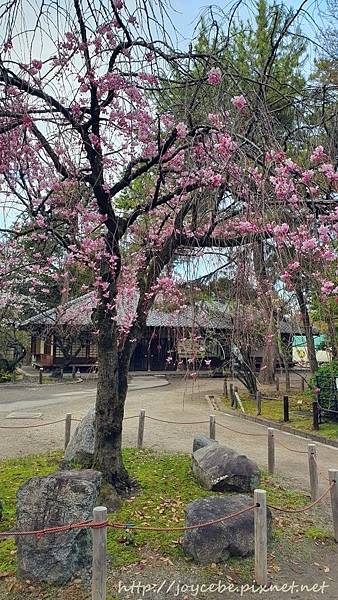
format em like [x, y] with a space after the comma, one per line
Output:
[112, 388]
[267, 373]
[311, 350]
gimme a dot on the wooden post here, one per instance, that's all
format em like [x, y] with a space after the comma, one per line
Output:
[315, 413]
[232, 393]
[313, 471]
[333, 476]
[40, 375]
[235, 396]
[302, 384]
[271, 450]
[261, 538]
[259, 403]
[286, 409]
[99, 565]
[225, 387]
[68, 427]
[277, 384]
[140, 434]
[212, 427]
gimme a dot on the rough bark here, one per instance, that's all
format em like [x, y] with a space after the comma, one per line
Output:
[267, 375]
[110, 400]
[311, 350]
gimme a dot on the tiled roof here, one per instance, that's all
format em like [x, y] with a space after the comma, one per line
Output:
[78, 312]
[205, 314]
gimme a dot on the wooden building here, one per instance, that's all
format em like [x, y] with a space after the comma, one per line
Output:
[63, 338]
[197, 337]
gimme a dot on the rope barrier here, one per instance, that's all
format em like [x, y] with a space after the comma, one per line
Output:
[132, 417]
[241, 432]
[291, 449]
[58, 529]
[320, 472]
[183, 527]
[99, 525]
[31, 426]
[305, 508]
[176, 422]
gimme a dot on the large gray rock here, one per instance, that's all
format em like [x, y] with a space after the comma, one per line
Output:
[221, 469]
[216, 543]
[61, 498]
[81, 446]
[201, 441]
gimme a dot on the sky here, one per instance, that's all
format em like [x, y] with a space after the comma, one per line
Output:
[187, 12]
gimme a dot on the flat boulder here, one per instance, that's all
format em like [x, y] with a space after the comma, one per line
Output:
[61, 498]
[221, 469]
[81, 446]
[201, 441]
[216, 543]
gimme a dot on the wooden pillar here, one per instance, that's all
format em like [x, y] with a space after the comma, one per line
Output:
[333, 477]
[212, 427]
[271, 450]
[315, 414]
[261, 538]
[140, 433]
[286, 409]
[259, 403]
[99, 565]
[68, 427]
[313, 471]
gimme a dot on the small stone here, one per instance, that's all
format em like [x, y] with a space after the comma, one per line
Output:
[221, 469]
[81, 446]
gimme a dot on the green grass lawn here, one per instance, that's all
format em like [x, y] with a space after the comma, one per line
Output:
[167, 485]
[273, 410]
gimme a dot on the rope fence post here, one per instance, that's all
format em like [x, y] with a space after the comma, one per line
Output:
[302, 384]
[286, 414]
[261, 538]
[271, 450]
[315, 414]
[277, 384]
[259, 403]
[212, 427]
[236, 396]
[225, 387]
[99, 565]
[40, 375]
[140, 433]
[68, 428]
[313, 471]
[333, 477]
[232, 394]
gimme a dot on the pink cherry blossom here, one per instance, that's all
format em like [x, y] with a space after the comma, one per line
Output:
[214, 76]
[181, 130]
[317, 154]
[239, 102]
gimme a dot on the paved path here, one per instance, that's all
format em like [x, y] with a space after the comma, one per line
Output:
[182, 401]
